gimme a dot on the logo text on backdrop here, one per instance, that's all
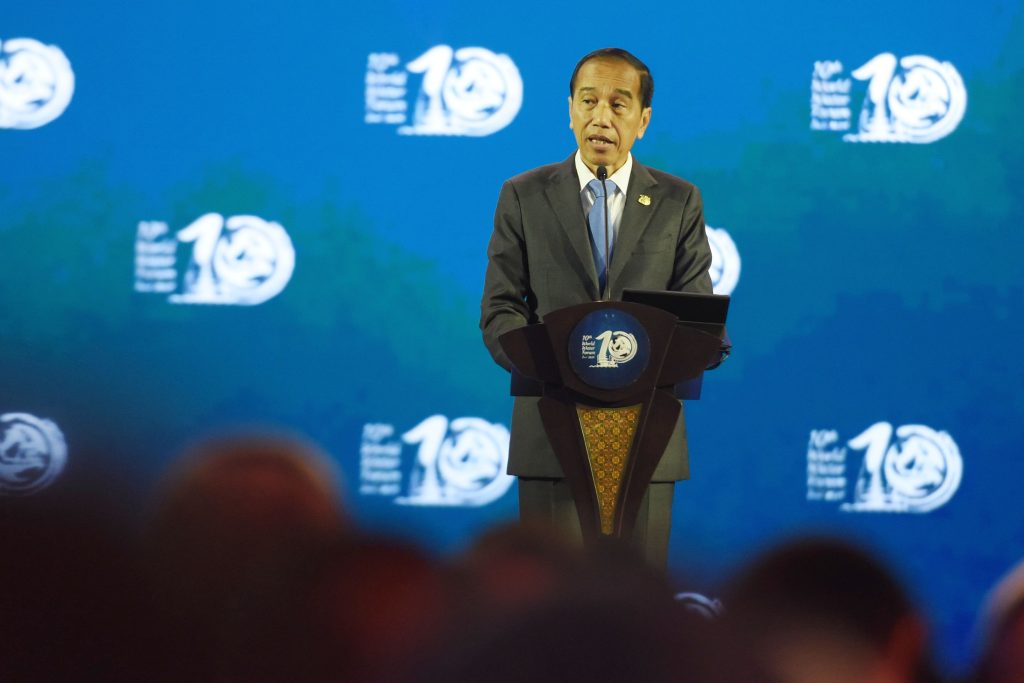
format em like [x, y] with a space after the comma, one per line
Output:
[32, 453]
[725, 261]
[243, 260]
[912, 468]
[915, 99]
[458, 462]
[36, 83]
[470, 91]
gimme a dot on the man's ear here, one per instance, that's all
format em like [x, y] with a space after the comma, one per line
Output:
[645, 118]
[570, 111]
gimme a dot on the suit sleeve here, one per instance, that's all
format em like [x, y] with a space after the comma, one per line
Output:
[507, 283]
[693, 254]
[693, 260]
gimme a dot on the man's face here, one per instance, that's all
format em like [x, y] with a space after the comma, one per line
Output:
[605, 112]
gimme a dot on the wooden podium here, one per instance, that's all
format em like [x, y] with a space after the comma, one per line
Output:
[607, 373]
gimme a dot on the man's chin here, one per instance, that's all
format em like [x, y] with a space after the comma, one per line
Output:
[608, 160]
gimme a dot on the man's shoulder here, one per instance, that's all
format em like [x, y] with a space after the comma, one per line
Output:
[542, 175]
[667, 179]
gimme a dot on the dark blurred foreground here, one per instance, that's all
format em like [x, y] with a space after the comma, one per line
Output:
[248, 569]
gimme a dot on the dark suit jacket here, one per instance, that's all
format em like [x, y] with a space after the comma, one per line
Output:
[539, 260]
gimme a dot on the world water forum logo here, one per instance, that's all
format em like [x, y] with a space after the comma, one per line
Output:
[609, 349]
[242, 260]
[32, 453]
[36, 83]
[470, 91]
[725, 261]
[912, 468]
[437, 463]
[915, 99]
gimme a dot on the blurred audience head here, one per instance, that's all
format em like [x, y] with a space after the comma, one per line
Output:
[551, 611]
[234, 500]
[574, 638]
[823, 611]
[515, 567]
[558, 613]
[255, 574]
[254, 484]
[379, 610]
[73, 601]
[1002, 656]
[238, 522]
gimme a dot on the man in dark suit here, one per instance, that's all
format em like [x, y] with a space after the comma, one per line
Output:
[543, 256]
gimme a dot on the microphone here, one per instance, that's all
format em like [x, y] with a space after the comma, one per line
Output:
[602, 175]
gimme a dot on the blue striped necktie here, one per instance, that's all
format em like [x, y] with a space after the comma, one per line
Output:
[596, 221]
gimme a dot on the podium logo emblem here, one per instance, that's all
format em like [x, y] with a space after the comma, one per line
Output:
[609, 349]
[912, 468]
[36, 83]
[615, 348]
[32, 453]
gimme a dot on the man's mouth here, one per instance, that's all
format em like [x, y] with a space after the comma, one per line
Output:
[600, 141]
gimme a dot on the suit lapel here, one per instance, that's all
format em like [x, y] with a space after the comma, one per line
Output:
[563, 193]
[635, 217]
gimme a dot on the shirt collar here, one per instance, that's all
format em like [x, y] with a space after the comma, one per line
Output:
[620, 177]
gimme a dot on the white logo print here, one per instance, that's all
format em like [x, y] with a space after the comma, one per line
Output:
[725, 261]
[243, 260]
[36, 83]
[470, 91]
[917, 471]
[915, 99]
[701, 605]
[461, 462]
[32, 453]
[616, 348]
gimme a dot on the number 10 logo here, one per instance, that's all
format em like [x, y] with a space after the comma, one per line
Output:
[469, 91]
[242, 260]
[921, 101]
[912, 468]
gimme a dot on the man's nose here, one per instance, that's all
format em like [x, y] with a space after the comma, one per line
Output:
[602, 114]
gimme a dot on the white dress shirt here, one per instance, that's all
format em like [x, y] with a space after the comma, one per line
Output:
[616, 200]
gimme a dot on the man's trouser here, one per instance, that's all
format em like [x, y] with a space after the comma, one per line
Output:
[549, 501]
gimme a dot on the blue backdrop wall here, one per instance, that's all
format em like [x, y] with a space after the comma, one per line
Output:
[215, 215]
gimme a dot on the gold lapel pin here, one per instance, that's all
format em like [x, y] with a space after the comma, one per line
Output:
[644, 199]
